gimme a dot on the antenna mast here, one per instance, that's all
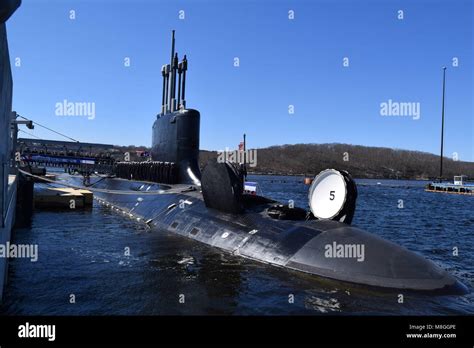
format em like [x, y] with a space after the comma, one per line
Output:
[169, 102]
[442, 125]
[172, 77]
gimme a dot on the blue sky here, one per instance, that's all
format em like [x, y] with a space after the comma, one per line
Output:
[282, 62]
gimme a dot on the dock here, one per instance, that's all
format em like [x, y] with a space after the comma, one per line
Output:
[8, 174]
[47, 197]
[6, 226]
[444, 187]
[459, 186]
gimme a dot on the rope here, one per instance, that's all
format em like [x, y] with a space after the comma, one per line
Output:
[93, 189]
[101, 178]
[51, 130]
[21, 130]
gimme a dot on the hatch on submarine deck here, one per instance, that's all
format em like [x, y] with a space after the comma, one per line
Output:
[212, 208]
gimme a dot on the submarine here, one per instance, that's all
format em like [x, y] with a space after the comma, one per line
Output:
[170, 193]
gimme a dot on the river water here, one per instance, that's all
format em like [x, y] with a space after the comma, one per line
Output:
[83, 267]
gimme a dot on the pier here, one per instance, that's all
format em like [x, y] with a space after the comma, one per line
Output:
[46, 197]
[8, 173]
[459, 186]
[71, 155]
[445, 187]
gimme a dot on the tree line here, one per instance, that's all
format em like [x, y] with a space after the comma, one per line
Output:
[359, 161]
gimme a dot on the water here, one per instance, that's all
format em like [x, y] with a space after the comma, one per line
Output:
[82, 253]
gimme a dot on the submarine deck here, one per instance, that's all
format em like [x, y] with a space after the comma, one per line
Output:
[301, 245]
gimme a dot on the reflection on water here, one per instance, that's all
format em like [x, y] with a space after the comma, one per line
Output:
[84, 253]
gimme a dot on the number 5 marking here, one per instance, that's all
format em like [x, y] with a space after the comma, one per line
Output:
[332, 195]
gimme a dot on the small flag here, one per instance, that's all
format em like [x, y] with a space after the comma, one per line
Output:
[241, 146]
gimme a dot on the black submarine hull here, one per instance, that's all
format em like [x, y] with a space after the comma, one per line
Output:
[222, 216]
[297, 245]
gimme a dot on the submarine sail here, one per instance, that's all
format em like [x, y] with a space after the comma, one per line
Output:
[175, 133]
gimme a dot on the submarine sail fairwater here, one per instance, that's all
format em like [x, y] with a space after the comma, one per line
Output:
[175, 134]
[213, 208]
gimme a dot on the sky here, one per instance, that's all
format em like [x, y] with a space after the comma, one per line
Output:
[333, 63]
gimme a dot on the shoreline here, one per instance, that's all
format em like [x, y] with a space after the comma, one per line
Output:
[357, 178]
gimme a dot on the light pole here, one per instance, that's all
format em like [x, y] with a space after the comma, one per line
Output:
[442, 126]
